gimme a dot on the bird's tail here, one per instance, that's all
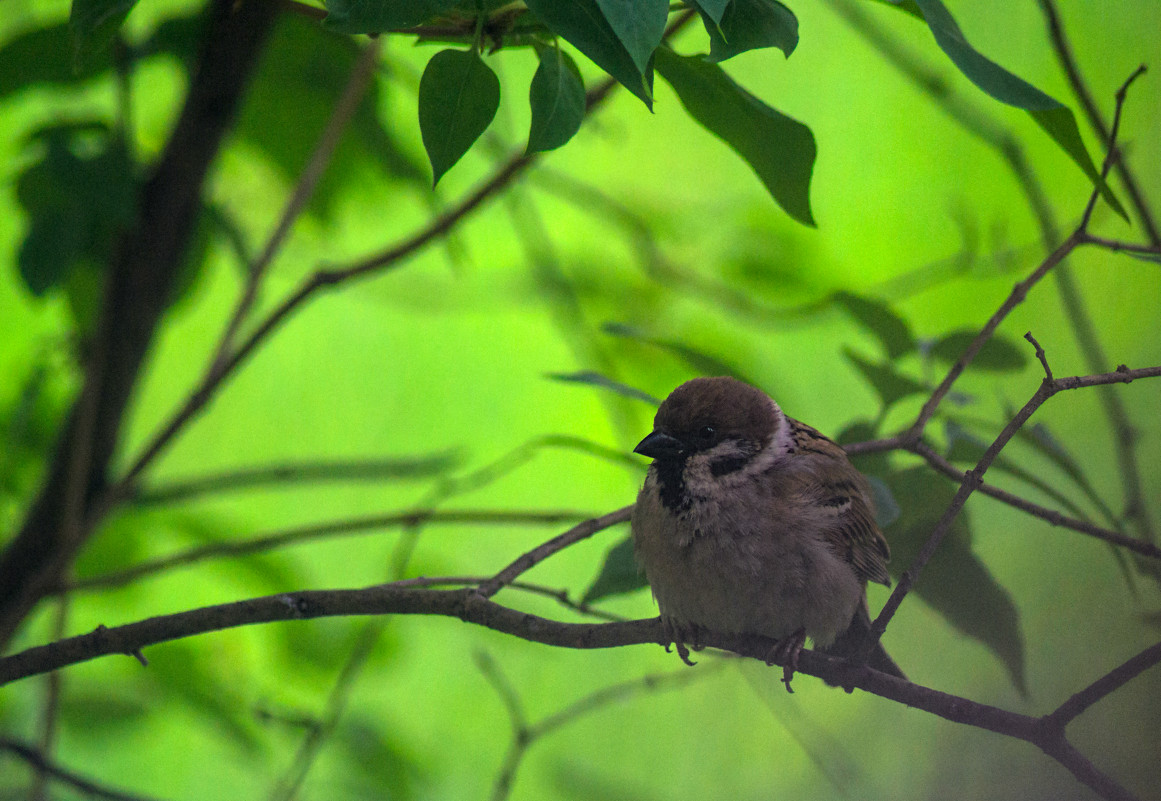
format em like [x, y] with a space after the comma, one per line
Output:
[853, 639]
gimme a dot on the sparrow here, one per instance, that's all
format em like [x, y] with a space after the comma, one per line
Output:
[752, 523]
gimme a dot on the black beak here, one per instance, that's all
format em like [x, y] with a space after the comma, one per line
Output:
[659, 446]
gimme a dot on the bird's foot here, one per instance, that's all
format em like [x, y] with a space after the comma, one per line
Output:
[679, 635]
[786, 652]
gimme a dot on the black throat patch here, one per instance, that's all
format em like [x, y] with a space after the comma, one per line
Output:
[671, 482]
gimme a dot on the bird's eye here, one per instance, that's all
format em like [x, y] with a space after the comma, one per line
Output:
[706, 433]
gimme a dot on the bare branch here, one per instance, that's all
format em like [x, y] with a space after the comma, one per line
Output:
[537, 555]
[1122, 247]
[469, 606]
[1104, 686]
[1063, 50]
[342, 113]
[1014, 299]
[302, 534]
[290, 474]
[87, 786]
[1052, 516]
[974, 478]
[1114, 154]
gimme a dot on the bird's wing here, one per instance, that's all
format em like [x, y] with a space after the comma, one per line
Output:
[842, 493]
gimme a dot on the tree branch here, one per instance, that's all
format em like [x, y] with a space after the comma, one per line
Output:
[49, 768]
[302, 534]
[974, 478]
[140, 278]
[468, 606]
[1064, 55]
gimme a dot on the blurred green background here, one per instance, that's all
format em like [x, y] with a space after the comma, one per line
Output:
[646, 221]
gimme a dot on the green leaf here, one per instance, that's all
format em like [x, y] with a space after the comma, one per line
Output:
[597, 380]
[639, 24]
[93, 24]
[889, 384]
[779, 149]
[881, 320]
[700, 361]
[997, 354]
[373, 16]
[955, 583]
[458, 97]
[714, 9]
[619, 574]
[557, 98]
[583, 25]
[379, 755]
[749, 25]
[77, 204]
[1056, 119]
[906, 6]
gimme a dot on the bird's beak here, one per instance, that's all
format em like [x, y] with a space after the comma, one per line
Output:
[658, 445]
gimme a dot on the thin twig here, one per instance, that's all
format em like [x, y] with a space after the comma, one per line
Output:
[524, 735]
[1104, 686]
[87, 786]
[1005, 144]
[974, 478]
[1015, 298]
[1122, 247]
[1113, 154]
[938, 462]
[1063, 50]
[291, 474]
[341, 115]
[1039, 354]
[538, 554]
[303, 534]
[561, 596]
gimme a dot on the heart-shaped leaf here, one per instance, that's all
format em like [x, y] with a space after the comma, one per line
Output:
[458, 97]
[557, 99]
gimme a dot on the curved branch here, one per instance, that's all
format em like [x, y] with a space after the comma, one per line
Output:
[469, 606]
[49, 768]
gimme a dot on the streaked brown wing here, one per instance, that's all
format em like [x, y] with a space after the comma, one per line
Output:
[856, 535]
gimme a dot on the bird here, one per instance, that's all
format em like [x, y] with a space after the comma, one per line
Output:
[750, 522]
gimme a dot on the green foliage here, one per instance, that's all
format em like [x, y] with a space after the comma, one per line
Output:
[93, 24]
[557, 100]
[619, 574]
[749, 25]
[889, 383]
[373, 16]
[586, 28]
[458, 97]
[880, 320]
[593, 378]
[1056, 120]
[639, 26]
[956, 583]
[997, 354]
[78, 196]
[641, 226]
[303, 72]
[780, 150]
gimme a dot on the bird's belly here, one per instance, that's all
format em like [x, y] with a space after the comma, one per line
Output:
[745, 583]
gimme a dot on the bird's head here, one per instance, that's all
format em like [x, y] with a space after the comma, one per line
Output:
[721, 421]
